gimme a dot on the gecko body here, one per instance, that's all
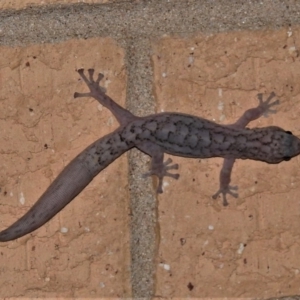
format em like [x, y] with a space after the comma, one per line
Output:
[172, 133]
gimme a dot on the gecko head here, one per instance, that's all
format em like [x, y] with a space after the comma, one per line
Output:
[284, 146]
[295, 147]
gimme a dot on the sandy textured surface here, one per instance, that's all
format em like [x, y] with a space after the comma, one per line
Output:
[117, 238]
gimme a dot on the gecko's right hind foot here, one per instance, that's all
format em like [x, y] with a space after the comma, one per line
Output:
[94, 85]
[161, 171]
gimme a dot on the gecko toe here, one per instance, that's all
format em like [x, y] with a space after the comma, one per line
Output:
[271, 96]
[172, 167]
[91, 71]
[260, 98]
[167, 162]
[225, 202]
[80, 71]
[159, 190]
[78, 95]
[174, 176]
[99, 78]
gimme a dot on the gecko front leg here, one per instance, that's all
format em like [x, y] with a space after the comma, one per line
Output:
[225, 178]
[97, 92]
[264, 108]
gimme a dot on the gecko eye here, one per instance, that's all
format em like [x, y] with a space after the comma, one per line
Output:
[288, 132]
[286, 158]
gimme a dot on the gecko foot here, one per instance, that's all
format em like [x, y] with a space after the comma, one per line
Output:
[161, 170]
[95, 88]
[265, 106]
[226, 190]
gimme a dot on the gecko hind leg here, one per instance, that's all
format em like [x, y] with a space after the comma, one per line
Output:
[158, 167]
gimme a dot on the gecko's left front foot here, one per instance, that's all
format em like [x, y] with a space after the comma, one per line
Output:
[161, 170]
[225, 187]
[226, 190]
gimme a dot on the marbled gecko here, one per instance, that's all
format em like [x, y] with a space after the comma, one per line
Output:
[172, 133]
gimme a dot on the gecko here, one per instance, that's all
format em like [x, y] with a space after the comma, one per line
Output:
[172, 133]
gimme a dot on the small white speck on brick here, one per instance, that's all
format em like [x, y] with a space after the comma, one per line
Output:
[22, 198]
[106, 83]
[47, 279]
[64, 230]
[241, 248]
[87, 229]
[110, 121]
[292, 50]
[102, 284]
[221, 105]
[191, 59]
[211, 227]
[222, 118]
[165, 267]
[220, 92]
[164, 75]
[100, 107]
[165, 184]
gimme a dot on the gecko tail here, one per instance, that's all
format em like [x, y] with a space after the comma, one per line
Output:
[70, 182]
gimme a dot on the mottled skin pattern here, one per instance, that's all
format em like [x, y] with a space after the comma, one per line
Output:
[173, 133]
